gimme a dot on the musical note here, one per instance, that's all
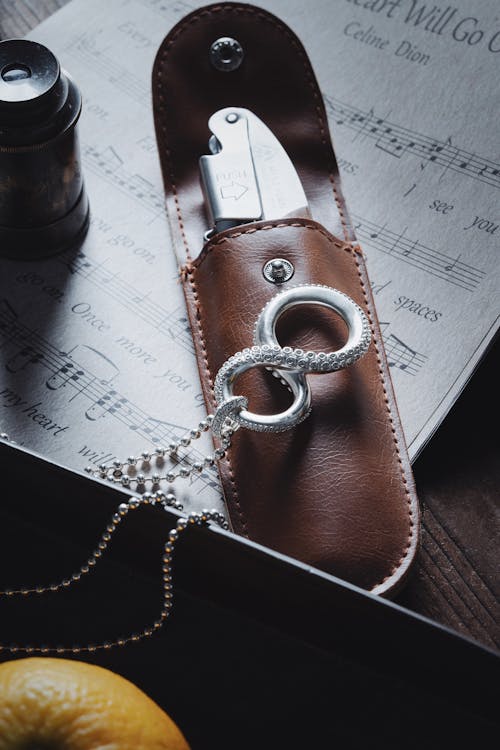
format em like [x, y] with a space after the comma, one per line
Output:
[140, 298]
[110, 167]
[158, 431]
[396, 244]
[64, 374]
[23, 358]
[494, 171]
[364, 120]
[402, 356]
[107, 276]
[109, 403]
[108, 159]
[76, 264]
[451, 266]
[434, 150]
[177, 326]
[391, 143]
[452, 154]
[407, 251]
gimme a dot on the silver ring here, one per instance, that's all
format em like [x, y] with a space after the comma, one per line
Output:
[270, 357]
[292, 364]
[353, 316]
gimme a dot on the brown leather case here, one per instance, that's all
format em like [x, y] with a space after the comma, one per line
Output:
[337, 491]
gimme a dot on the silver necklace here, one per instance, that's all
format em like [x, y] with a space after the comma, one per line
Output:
[125, 473]
[128, 474]
[147, 474]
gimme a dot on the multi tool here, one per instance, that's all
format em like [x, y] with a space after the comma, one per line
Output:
[248, 175]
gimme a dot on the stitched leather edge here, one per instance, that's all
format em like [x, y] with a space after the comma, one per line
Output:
[189, 275]
[353, 250]
[411, 520]
[303, 223]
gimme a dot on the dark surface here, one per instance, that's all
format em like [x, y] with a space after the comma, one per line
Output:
[458, 476]
[259, 651]
[458, 481]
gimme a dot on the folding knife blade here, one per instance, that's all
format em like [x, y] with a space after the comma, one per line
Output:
[248, 176]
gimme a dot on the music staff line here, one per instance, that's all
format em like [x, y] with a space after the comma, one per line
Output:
[172, 324]
[175, 325]
[397, 141]
[85, 48]
[33, 349]
[400, 355]
[390, 137]
[452, 270]
[109, 166]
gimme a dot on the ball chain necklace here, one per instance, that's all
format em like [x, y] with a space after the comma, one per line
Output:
[125, 475]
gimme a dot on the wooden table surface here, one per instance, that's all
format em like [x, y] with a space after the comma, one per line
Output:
[458, 475]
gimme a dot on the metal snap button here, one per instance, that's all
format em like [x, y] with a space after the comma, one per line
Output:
[226, 54]
[278, 270]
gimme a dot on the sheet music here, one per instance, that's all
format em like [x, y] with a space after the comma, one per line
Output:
[97, 360]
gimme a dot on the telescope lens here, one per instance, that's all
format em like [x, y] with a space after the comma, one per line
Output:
[15, 72]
